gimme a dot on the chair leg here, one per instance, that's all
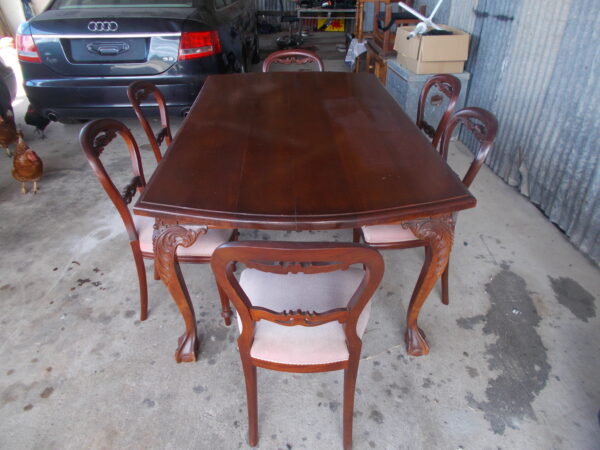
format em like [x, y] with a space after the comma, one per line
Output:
[141, 271]
[445, 294]
[251, 395]
[226, 312]
[356, 235]
[349, 388]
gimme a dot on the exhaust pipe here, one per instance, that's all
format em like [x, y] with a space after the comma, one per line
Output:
[52, 116]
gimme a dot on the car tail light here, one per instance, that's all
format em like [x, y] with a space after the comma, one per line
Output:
[199, 44]
[26, 49]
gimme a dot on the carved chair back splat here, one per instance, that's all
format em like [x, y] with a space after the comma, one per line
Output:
[291, 275]
[94, 138]
[138, 91]
[293, 57]
[484, 127]
[449, 86]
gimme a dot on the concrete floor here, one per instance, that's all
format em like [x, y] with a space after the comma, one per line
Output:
[513, 364]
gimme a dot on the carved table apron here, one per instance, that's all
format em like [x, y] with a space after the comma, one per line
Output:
[300, 151]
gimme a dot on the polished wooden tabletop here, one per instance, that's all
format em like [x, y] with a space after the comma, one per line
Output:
[297, 151]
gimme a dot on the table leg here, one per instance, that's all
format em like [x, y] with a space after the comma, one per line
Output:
[167, 238]
[438, 233]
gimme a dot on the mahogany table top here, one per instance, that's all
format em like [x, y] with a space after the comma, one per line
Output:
[298, 151]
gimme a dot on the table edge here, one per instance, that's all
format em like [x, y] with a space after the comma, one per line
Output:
[303, 222]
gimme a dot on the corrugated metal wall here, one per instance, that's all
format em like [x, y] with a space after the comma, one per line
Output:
[535, 65]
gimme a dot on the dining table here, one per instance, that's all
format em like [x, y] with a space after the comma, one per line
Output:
[300, 151]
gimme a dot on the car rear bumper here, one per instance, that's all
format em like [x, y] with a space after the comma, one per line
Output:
[92, 97]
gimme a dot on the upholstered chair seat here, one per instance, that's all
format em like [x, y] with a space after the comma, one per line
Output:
[311, 292]
[387, 233]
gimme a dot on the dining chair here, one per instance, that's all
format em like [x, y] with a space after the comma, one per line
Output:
[295, 56]
[449, 86]
[94, 137]
[302, 307]
[483, 125]
[138, 91]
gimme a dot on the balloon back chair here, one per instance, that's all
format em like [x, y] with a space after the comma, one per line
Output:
[94, 138]
[139, 91]
[483, 126]
[449, 86]
[302, 307]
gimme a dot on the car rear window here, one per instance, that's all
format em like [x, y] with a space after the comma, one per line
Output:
[85, 4]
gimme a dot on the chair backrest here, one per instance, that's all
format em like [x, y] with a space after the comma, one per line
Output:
[297, 257]
[94, 137]
[449, 86]
[138, 91]
[292, 57]
[484, 127]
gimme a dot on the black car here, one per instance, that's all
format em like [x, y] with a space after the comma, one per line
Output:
[8, 87]
[79, 56]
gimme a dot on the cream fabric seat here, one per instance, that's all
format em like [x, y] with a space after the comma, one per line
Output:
[310, 292]
[205, 245]
[383, 234]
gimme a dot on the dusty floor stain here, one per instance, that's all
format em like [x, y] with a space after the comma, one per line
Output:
[472, 371]
[572, 295]
[518, 353]
[47, 392]
[376, 416]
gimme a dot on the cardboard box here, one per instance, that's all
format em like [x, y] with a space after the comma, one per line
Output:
[432, 54]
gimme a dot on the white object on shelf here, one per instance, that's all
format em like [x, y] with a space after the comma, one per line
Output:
[426, 22]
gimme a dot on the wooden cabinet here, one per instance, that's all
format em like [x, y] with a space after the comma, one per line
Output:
[380, 43]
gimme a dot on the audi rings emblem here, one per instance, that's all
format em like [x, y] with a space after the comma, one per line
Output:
[103, 26]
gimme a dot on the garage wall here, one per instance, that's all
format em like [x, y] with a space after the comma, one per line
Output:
[12, 11]
[39, 5]
[536, 66]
